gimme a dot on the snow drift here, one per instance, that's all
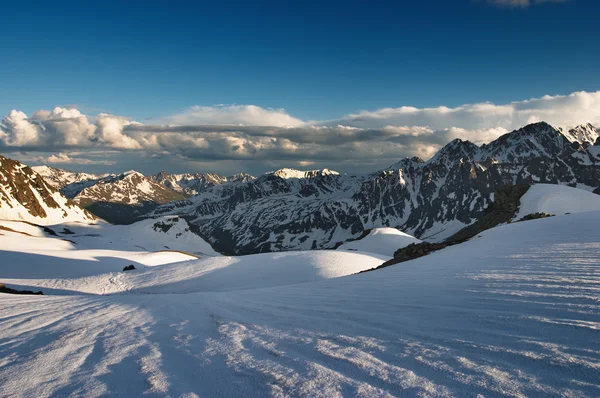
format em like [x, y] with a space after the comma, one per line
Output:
[384, 241]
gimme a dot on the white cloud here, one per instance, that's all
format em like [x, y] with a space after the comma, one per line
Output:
[18, 131]
[253, 134]
[65, 126]
[110, 132]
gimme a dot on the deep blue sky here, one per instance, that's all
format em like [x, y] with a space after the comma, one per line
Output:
[318, 60]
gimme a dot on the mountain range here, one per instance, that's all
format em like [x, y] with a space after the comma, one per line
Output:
[297, 210]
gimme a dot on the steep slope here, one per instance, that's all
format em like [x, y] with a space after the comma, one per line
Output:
[298, 210]
[125, 197]
[24, 195]
[511, 313]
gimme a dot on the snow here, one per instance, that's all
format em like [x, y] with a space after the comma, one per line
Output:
[513, 312]
[145, 235]
[12, 209]
[384, 241]
[557, 200]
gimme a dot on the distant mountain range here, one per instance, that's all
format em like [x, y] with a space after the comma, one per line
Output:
[291, 209]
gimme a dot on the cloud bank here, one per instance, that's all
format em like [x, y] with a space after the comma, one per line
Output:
[268, 138]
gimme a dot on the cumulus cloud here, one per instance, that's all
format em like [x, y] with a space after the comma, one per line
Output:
[522, 3]
[18, 131]
[110, 132]
[253, 134]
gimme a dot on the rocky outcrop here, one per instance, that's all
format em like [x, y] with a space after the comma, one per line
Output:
[502, 210]
[534, 216]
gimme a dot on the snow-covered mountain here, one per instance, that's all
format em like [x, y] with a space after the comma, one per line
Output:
[125, 197]
[290, 209]
[69, 183]
[192, 184]
[25, 195]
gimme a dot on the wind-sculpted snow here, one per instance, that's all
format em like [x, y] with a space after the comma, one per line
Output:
[297, 210]
[513, 312]
[556, 199]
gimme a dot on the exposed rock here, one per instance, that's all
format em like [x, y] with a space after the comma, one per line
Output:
[534, 216]
[502, 210]
[130, 267]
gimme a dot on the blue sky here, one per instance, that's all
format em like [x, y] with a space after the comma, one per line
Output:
[150, 60]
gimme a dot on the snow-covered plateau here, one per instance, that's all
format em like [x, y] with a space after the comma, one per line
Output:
[515, 311]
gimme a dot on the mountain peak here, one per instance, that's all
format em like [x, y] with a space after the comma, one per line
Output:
[584, 133]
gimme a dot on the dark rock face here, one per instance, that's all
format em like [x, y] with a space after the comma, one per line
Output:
[431, 200]
[129, 268]
[502, 210]
[597, 191]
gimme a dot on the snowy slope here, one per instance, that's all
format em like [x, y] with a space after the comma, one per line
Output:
[557, 200]
[163, 233]
[251, 272]
[511, 313]
[66, 270]
[384, 241]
